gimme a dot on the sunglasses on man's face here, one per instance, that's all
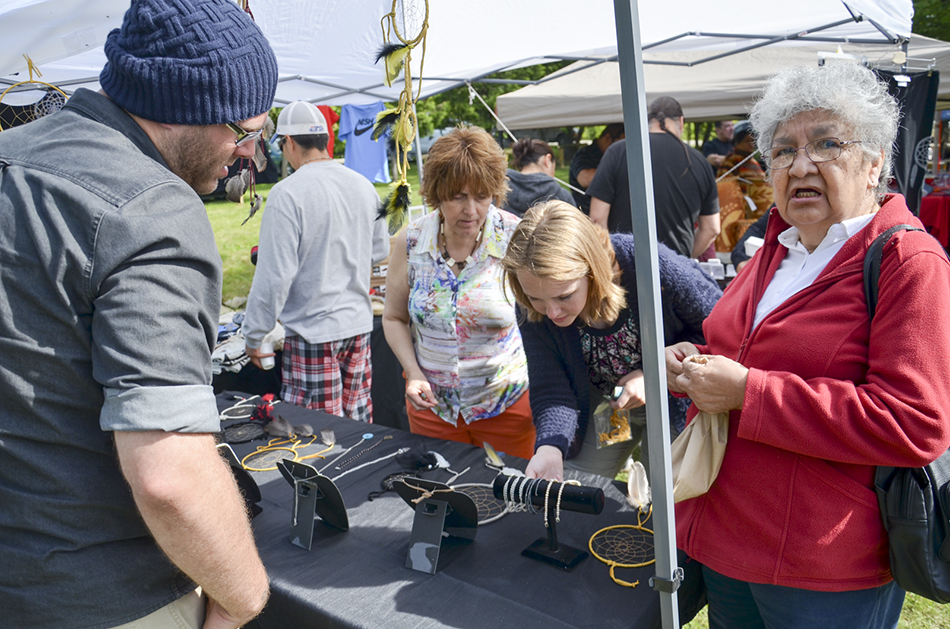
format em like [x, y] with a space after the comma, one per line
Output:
[243, 136]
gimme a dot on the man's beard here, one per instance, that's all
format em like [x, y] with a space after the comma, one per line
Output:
[190, 157]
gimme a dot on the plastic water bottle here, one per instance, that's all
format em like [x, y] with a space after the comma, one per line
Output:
[267, 362]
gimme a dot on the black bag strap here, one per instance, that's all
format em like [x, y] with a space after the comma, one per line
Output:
[872, 264]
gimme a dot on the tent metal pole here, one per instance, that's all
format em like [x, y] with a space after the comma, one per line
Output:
[651, 314]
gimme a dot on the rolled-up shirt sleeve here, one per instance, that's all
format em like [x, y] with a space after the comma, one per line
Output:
[156, 286]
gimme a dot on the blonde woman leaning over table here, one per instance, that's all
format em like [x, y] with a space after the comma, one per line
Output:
[447, 317]
[790, 534]
[577, 286]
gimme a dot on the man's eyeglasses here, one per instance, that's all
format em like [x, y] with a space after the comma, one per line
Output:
[243, 136]
[823, 150]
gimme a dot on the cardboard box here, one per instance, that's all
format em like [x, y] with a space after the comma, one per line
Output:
[377, 277]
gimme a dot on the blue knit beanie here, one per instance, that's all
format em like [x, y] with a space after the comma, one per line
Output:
[193, 62]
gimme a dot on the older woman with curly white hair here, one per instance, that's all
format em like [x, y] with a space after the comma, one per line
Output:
[818, 394]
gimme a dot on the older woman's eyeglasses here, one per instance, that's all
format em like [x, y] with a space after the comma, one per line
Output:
[823, 150]
[243, 136]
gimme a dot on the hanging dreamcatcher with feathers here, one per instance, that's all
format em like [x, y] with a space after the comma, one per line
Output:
[245, 180]
[26, 101]
[404, 28]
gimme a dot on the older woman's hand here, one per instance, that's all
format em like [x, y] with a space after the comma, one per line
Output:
[547, 463]
[675, 355]
[419, 393]
[716, 384]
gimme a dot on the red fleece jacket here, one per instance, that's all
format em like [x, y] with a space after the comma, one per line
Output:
[829, 397]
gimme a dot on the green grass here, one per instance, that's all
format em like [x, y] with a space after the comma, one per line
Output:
[918, 613]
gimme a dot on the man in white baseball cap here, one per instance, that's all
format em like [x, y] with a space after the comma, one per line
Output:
[319, 241]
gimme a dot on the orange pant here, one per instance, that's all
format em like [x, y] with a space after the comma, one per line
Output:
[512, 432]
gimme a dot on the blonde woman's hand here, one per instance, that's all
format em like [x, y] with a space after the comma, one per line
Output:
[675, 355]
[716, 384]
[547, 463]
[634, 393]
[419, 393]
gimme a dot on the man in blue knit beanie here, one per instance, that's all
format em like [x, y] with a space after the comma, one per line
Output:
[116, 507]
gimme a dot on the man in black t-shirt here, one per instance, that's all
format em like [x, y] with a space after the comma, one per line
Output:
[716, 149]
[586, 160]
[684, 189]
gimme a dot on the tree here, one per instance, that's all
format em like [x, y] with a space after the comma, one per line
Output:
[932, 18]
[453, 106]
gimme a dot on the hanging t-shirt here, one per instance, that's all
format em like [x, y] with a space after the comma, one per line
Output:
[331, 117]
[364, 154]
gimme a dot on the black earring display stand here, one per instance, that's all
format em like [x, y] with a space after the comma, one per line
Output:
[248, 486]
[314, 494]
[576, 498]
[438, 509]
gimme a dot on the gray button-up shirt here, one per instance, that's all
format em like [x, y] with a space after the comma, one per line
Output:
[109, 296]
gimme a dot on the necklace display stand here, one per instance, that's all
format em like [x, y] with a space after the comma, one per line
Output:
[551, 496]
[439, 509]
[314, 495]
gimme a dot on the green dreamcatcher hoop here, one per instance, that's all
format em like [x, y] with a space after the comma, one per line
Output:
[404, 28]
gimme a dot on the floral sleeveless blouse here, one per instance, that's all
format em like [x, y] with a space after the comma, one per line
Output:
[464, 328]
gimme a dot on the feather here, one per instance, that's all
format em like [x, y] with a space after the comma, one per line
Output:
[638, 487]
[384, 122]
[493, 459]
[394, 56]
[403, 131]
[236, 186]
[255, 205]
[395, 209]
[327, 437]
[417, 459]
[440, 461]
[279, 427]
[303, 430]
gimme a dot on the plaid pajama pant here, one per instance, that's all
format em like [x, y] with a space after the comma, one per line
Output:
[335, 377]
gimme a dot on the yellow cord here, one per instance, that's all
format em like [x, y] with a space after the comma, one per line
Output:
[280, 443]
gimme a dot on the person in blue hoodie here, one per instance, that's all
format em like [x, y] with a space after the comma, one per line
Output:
[577, 289]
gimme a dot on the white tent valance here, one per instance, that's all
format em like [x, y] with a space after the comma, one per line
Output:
[719, 89]
[326, 50]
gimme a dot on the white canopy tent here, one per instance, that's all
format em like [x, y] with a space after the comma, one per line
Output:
[326, 50]
[588, 93]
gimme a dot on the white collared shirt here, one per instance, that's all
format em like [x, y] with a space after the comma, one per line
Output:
[800, 268]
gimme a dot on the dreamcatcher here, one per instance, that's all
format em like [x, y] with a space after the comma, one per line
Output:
[244, 432]
[489, 508]
[27, 101]
[624, 546]
[407, 23]
[265, 458]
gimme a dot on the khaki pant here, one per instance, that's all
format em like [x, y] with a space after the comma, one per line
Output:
[188, 612]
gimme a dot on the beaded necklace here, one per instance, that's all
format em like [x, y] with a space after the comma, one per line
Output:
[444, 247]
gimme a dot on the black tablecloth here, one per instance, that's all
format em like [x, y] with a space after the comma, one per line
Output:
[358, 578]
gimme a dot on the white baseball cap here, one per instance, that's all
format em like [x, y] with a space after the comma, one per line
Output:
[301, 118]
